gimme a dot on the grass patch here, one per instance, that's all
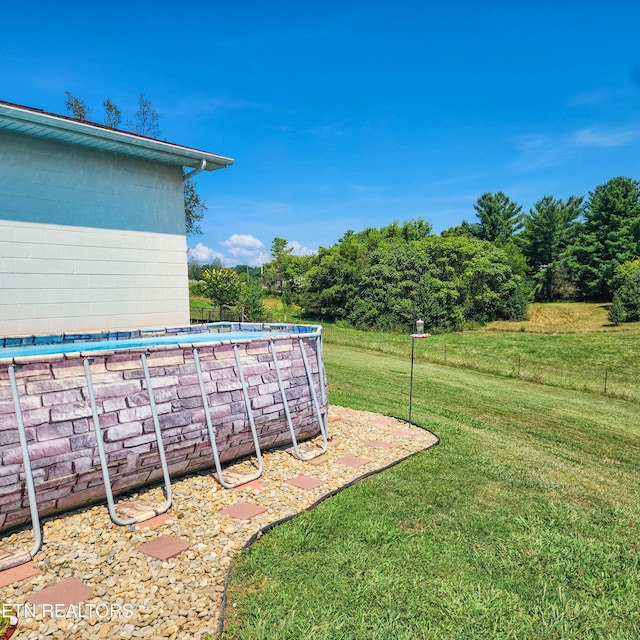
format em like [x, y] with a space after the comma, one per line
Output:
[200, 302]
[569, 345]
[523, 523]
[279, 313]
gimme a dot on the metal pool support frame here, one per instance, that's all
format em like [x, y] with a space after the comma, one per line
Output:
[294, 440]
[323, 386]
[211, 430]
[31, 490]
[102, 454]
[312, 388]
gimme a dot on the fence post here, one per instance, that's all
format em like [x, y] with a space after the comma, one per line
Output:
[518, 365]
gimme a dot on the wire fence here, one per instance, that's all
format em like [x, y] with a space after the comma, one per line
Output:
[215, 314]
[606, 379]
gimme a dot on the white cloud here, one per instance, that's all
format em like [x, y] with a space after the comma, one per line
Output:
[201, 253]
[540, 150]
[244, 241]
[244, 248]
[593, 137]
[300, 250]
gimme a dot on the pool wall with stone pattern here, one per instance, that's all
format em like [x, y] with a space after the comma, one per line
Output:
[57, 414]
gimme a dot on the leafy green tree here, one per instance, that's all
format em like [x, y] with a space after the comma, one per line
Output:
[194, 270]
[331, 282]
[277, 272]
[374, 278]
[627, 290]
[194, 209]
[440, 303]
[471, 230]
[386, 288]
[609, 237]
[146, 120]
[469, 281]
[113, 116]
[548, 230]
[500, 218]
[222, 286]
[251, 302]
[330, 286]
[246, 272]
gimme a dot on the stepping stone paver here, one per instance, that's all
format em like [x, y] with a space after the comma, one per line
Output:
[254, 484]
[381, 444]
[15, 574]
[352, 461]
[66, 592]
[152, 523]
[164, 547]
[402, 433]
[318, 459]
[305, 482]
[141, 510]
[243, 510]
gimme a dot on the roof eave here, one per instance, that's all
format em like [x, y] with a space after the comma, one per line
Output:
[59, 128]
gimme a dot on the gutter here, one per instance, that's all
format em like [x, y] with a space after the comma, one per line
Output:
[196, 171]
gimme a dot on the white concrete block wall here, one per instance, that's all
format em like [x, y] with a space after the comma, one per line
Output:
[89, 241]
[86, 288]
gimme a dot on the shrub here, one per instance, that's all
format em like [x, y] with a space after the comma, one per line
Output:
[617, 313]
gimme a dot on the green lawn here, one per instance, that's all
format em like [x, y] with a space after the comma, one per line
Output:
[570, 345]
[523, 523]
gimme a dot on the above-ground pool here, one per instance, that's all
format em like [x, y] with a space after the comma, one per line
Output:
[83, 404]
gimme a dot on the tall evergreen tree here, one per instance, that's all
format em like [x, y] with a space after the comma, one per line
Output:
[500, 218]
[609, 236]
[547, 233]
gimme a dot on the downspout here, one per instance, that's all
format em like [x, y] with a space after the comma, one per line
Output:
[195, 172]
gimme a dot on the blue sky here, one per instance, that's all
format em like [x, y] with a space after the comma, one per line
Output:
[344, 115]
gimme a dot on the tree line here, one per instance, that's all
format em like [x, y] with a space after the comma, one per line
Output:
[473, 273]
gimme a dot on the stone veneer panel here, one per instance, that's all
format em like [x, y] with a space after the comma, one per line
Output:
[58, 418]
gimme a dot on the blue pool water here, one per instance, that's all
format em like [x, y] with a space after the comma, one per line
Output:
[142, 342]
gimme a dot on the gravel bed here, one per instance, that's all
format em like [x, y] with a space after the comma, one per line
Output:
[137, 596]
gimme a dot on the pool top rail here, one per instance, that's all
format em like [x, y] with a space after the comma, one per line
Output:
[25, 348]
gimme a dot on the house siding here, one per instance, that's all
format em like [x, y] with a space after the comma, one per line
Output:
[89, 240]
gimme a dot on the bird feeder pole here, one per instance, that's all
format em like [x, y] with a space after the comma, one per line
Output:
[419, 333]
